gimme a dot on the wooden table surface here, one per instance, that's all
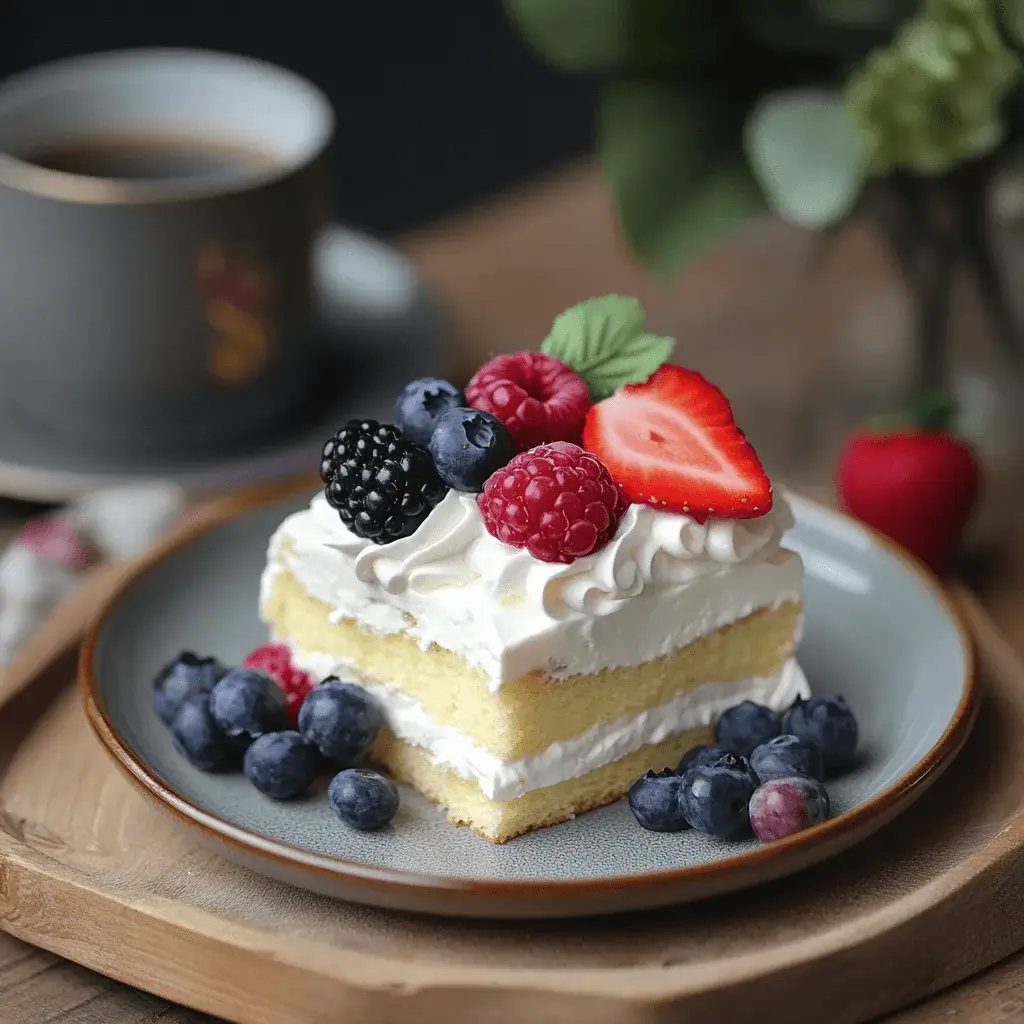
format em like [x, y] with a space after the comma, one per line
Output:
[776, 329]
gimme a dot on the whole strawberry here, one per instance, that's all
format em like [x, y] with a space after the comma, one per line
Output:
[912, 480]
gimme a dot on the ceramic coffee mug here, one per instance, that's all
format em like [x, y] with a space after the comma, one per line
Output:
[158, 211]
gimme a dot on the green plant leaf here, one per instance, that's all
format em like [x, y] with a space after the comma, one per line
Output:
[604, 341]
[674, 159]
[616, 35]
[806, 154]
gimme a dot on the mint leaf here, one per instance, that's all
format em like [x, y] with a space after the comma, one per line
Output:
[604, 341]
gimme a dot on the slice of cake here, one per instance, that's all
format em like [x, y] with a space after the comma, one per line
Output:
[541, 621]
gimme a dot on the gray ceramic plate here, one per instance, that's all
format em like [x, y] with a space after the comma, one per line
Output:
[878, 631]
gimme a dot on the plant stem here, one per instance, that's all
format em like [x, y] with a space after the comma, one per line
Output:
[979, 255]
[922, 246]
[887, 206]
[934, 294]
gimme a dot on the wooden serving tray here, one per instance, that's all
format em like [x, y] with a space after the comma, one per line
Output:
[91, 871]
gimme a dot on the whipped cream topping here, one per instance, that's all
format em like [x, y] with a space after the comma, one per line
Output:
[661, 582]
[570, 759]
[651, 549]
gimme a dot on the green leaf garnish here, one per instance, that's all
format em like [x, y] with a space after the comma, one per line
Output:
[604, 341]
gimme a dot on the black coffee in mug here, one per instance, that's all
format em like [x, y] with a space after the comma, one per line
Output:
[149, 158]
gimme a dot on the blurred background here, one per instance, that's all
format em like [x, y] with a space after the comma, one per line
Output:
[438, 105]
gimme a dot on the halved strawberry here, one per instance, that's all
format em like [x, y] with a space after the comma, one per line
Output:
[672, 443]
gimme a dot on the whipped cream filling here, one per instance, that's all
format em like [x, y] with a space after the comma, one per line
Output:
[662, 581]
[570, 759]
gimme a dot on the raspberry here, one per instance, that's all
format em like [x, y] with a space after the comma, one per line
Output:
[557, 501]
[276, 661]
[536, 396]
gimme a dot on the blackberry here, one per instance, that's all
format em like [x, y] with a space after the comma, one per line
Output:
[380, 483]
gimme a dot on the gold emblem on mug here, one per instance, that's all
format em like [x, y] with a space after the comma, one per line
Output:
[236, 297]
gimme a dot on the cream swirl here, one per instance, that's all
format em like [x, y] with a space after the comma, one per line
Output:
[434, 556]
[650, 548]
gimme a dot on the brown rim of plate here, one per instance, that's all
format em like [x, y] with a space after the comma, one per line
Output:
[385, 878]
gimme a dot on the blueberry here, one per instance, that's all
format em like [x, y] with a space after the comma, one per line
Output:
[421, 403]
[788, 804]
[199, 739]
[184, 677]
[363, 799]
[829, 724]
[281, 765]
[741, 764]
[787, 755]
[654, 801]
[468, 446]
[715, 798]
[746, 726]
[713, 755]
[707, 754]
[340, 719]
[247, 703]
